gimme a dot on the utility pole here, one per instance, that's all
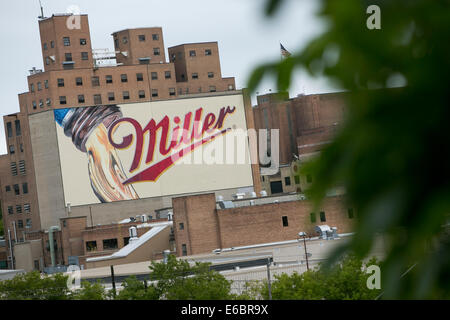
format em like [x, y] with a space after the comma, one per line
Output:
[269, 283]
[113, 280]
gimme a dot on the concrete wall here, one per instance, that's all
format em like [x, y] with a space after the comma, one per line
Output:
[26, 253]
[47, 168]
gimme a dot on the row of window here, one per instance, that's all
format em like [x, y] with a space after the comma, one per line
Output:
[195, 76]
[112, 97]
[26, 209]
[16, 188]
[192, 53]
[20, 224]
[39, 86]
[108, 244]
[12, 148]
[66, 42]
[141, 38]
[22, 170]
[9, 129]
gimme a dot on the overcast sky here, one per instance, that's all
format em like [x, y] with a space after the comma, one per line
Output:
[246, 37]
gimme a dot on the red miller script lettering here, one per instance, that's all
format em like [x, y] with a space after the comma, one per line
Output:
[184, 141]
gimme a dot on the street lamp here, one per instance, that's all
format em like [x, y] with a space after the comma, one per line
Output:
[303, 234]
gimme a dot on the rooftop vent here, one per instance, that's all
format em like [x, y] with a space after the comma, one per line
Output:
[226, 204]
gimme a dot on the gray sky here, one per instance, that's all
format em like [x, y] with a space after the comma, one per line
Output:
[246, 37]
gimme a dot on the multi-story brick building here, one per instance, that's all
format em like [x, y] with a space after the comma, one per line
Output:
[306, 124]
[75, 75]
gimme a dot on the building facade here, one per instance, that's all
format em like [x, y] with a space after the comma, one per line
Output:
[76, 75]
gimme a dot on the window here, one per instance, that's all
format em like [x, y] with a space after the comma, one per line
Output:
[350, 213]
[195, 75]
[287, 181]
[60, 82]
[322, 216]
[39, 86]
[184, 249]
[18, 128]
[126, 241]
[182, 77]
[20, 224]
[208, 52]
[29, 226]
[155, 37]
[12, 149]
[8, 188]
[116, 43]
[109, 244]
[79, 81]
[83, 42]
[308, 178]
[125, 40]
[285, 221]
[312, 217]
[45, 46]
[84, 56]
[154, 92]
[297, 179]
[156, 51]
[41, 103]
[68, 65]
[34, 105]
[32, 87]
[27, 208]
[109, 79]
[167, 74]
[173, 57]
[141, 37]
[46, 84]
[49, 102]
[154, 76]
[16, 189]
[123, 78]
[111, 96]
[21, 147]
[171, 91]
[81, 98]
[97, 99]
[66, 41]
[9, 129]
[141, 94]
[139, 77]
[52, 44]
[14, 168]
[144, 60]
[68, 56]
[62, 100]
[212, 88]
[91, 246]
[192, 53]
[25, 188]
[181, 226]
[95, 81]
[47, 61]
[10, 210]
[22, 169]
[126, 95]
[19, 209]
[210, 74]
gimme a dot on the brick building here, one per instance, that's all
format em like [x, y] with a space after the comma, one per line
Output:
[76, 75]
[202, 225]
[306, 124]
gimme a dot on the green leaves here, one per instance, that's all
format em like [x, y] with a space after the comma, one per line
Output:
[392, 152]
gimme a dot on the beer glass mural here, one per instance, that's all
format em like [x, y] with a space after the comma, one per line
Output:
[126, 152]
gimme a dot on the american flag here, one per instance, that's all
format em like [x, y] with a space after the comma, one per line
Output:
[284, 52]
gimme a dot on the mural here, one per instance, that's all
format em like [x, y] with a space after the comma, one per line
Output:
[136, 151]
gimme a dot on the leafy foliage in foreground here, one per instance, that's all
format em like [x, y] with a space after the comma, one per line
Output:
[392, 154]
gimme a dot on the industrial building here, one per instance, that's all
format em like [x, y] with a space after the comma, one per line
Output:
[58, 204]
